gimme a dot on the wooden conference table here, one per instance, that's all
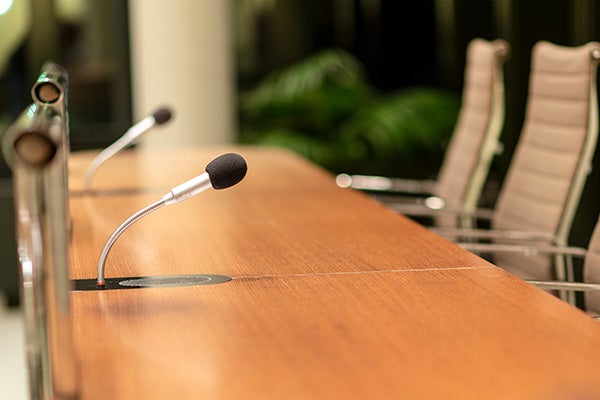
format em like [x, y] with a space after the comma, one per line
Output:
[332, 296]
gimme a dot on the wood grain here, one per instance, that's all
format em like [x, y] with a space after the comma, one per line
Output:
[333, 297]
[244, 234]
[153, 171]
[451, 334]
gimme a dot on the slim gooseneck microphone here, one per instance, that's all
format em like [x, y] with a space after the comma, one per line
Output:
[159, 117]
[221, 173]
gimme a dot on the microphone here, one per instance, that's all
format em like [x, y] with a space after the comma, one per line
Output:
[221, 173]
[159, 117]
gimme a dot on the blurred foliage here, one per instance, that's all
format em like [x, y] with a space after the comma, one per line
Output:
[324, 109]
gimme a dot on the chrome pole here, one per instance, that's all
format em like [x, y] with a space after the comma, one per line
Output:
[34, 147]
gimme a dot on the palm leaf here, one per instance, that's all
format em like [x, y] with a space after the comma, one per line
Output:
[309, 96]
[400, 128]
[323, 109]
[320, 151]
[332, 66]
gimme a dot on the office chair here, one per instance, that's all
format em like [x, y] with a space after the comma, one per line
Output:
[591, 266]
[538, 199]
[470, 151]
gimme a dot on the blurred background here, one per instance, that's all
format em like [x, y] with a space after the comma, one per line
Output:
[369, 86]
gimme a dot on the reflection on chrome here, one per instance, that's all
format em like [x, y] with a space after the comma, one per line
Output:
[36, 149]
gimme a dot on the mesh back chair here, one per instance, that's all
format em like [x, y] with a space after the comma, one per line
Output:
[472, 146]
[552, 160]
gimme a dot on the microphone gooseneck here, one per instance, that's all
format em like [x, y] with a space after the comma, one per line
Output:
[159, 117]
[223, 172]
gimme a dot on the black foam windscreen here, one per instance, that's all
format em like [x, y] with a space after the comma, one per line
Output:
[162, 115]
[226, 170]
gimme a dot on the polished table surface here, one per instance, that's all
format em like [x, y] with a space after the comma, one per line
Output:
[332, 297]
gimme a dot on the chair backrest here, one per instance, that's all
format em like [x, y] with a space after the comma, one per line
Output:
[591, 271]
[475, 138]
[553, 156]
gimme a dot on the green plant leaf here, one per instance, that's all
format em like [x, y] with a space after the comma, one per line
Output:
[324, 109]
[311, 96]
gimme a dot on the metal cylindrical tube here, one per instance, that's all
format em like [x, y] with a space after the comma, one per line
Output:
[52, 85]
[34, 149]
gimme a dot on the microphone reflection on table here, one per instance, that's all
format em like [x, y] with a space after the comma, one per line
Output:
[221, 173]
[158, 117]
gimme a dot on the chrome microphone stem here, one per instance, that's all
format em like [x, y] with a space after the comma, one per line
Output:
[34, 147]
[118, 232]
[176, 195]
[52, 86]
[187, 189]
[131, 135]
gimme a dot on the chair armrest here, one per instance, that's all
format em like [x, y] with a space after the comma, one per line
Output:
[530, 249]
[568, 287]
[561, 285]
[434, 206]
[493, 234]
[418, 209]
[385, 184]
[414, 205]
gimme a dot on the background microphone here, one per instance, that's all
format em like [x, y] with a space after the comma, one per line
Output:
[159, 117]
[221, 173]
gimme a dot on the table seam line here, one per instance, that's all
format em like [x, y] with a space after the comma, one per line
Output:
[364, 272]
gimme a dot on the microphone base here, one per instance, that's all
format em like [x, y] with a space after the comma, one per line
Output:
[142, 282]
